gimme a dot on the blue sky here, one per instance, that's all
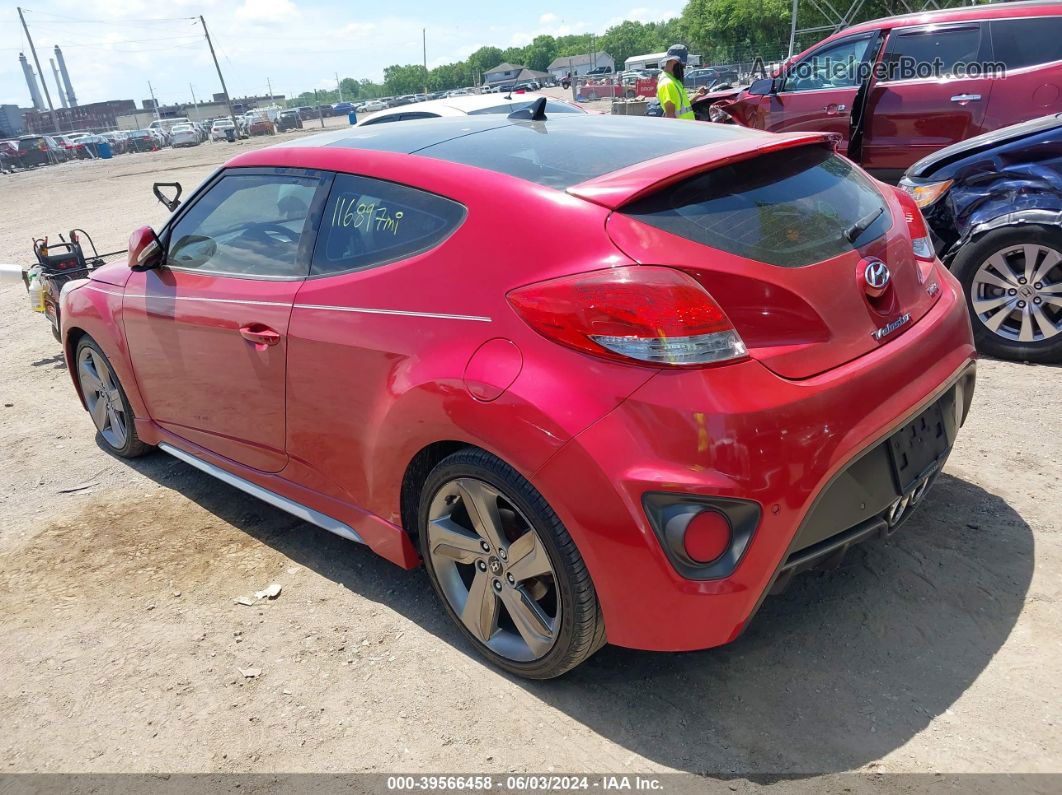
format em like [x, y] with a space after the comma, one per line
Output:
[113, 47]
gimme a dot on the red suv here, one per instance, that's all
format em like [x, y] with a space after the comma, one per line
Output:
[721, 357]
[897, 89]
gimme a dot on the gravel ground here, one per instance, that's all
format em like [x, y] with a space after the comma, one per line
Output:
[121, 646]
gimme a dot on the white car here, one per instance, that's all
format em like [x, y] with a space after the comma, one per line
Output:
[471, 105]
[217, 130]
[371, 106]
[184, 135]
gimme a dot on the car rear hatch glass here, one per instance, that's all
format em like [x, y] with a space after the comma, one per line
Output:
[782, 241]
[789, 208]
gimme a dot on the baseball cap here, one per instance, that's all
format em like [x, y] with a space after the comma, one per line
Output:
[677, 52]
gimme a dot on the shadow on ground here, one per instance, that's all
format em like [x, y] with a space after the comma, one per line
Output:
[843, 668]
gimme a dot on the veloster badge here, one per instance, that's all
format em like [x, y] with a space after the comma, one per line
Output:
[885, 330]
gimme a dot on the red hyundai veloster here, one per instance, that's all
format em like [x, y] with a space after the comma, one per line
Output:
[610, 378]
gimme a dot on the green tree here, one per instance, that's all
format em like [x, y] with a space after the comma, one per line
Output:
[630, 38]
[351, 88]
[540, 52]
[483, 59]
[730, 30]
[409, 79]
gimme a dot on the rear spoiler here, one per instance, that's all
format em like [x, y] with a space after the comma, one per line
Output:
[617, 188]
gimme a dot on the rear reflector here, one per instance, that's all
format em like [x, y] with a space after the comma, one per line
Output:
[707, 536]
[643, 313]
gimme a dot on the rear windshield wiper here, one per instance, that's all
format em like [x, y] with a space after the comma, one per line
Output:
[853, 232]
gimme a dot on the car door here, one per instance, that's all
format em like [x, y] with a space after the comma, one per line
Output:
[818, 91]
[931, 93]
[1030, 51]
[207, 329]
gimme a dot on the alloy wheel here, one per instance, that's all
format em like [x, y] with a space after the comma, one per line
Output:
[493, 569]
[1017, 293]
[104, 400]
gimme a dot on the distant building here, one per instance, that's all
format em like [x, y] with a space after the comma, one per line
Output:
[252, 102]
[94, 117]
[580, 64]
[201, 111]
[502, 73]
[654, 60]
[505, 73]
[10, 121]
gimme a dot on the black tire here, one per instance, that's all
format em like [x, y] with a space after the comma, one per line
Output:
[581, 630]
[131, 446]
[969, 260]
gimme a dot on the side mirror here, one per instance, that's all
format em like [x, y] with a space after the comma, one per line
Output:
[145, 250]
[761, 87]
[171, 204]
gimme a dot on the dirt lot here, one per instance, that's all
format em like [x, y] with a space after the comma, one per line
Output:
[121, 646]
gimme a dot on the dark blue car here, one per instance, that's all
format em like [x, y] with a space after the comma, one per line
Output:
[994, 207]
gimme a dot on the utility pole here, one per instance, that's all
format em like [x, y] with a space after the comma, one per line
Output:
[424, 42]
[340, 87]
[792, 28]
[36, 60]
[194, 103]
[224, 90]
[320, 113]
[154, 102]
[269, 85]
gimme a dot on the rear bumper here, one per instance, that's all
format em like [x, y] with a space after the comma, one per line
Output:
[795, 448]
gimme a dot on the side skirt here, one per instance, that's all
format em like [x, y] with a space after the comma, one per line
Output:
[277, 501]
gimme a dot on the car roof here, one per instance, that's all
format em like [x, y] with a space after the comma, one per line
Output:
[1027, 8]
[565, 150]
[459, 105]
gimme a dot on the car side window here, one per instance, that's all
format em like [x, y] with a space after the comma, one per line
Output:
[369, 222]
[834, 66]
[1027, 42]
[245, 225]
[931, 50]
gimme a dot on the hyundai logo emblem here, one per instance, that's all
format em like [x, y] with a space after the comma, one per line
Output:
[876, 275]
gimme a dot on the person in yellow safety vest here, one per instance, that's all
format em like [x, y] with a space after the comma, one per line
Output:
[670, 89]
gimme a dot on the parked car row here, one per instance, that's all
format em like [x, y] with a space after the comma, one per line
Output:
[35, 150]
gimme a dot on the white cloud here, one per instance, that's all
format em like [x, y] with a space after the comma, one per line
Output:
[267, 11]
[548, 18]
[359, 29]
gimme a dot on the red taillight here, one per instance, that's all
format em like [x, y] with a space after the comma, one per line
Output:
[644, 312]
[920, 241]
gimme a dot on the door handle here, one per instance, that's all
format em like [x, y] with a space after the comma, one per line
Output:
[833, 109]
[966, 98]
[259, 334]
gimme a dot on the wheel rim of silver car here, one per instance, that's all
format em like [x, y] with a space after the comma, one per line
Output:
[493, 570]
[104, 401]
[1017, 293]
